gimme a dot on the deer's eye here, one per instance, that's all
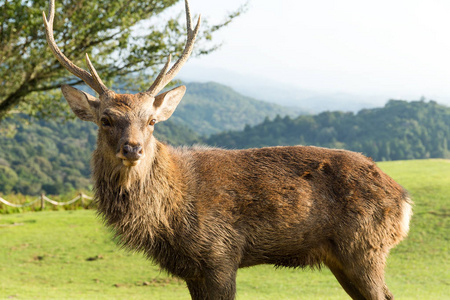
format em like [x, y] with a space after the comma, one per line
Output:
[105, 122]
[152, 122]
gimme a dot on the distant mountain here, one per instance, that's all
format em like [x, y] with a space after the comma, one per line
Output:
[295, 94]
[400, 130]
[211, 108]
[286, 94]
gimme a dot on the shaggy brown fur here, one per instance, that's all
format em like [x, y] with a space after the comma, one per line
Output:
[202, 213]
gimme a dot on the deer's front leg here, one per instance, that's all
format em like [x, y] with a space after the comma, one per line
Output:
[218, 284]
[221, 283]
[197, 289]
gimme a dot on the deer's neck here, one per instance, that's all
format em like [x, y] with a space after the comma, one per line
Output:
[142, 203]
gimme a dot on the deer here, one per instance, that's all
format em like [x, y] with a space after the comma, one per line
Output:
[202, 213]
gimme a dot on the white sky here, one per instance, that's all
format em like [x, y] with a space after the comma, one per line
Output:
[392, 47]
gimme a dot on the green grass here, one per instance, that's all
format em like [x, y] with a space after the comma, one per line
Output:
[70, 255]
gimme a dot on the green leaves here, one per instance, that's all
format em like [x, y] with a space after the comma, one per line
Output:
[8, 179]
[112, 32]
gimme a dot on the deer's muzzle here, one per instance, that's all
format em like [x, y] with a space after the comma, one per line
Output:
[131, 154]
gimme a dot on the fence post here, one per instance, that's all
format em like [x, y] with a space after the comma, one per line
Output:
[82, 200]
[42, 202]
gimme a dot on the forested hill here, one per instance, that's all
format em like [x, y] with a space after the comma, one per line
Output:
[400, 130]
[54, 156]
[212, 108]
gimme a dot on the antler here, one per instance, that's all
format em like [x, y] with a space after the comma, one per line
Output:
[93, 80]
[165, 77]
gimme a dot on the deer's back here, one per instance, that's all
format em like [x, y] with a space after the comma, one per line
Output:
[289, 175]
[279, 201]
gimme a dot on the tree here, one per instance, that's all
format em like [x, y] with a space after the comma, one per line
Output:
[8, 178]
[29, 73]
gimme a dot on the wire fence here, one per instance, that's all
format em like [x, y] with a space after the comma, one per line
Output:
[43, 199]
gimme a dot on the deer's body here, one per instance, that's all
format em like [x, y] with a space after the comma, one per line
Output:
[202, 213]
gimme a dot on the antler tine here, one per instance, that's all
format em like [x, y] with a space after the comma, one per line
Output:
[156, 84]
[164, 78]
[93, 80]
[97, 79]
[188, 16]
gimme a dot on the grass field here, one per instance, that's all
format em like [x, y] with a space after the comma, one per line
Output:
[69, 255]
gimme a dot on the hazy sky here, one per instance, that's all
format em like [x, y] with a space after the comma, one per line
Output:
[391, 47]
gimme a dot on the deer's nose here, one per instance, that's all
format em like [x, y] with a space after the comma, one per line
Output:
[131, 152]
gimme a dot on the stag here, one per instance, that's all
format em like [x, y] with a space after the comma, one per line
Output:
[203, 213]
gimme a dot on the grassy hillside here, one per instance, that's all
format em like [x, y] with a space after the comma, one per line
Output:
[69, 255]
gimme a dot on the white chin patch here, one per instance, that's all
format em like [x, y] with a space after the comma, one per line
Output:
[129, 163]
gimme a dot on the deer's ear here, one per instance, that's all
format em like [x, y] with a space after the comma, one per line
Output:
[166, 103]
[82, 104]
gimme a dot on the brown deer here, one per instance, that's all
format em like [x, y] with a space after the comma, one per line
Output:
[202, 213]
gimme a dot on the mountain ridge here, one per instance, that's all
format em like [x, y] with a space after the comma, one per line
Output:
[222, 108]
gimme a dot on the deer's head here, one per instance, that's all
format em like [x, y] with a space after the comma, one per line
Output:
[126, 122]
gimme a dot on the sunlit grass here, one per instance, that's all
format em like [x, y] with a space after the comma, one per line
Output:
[70, 255]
